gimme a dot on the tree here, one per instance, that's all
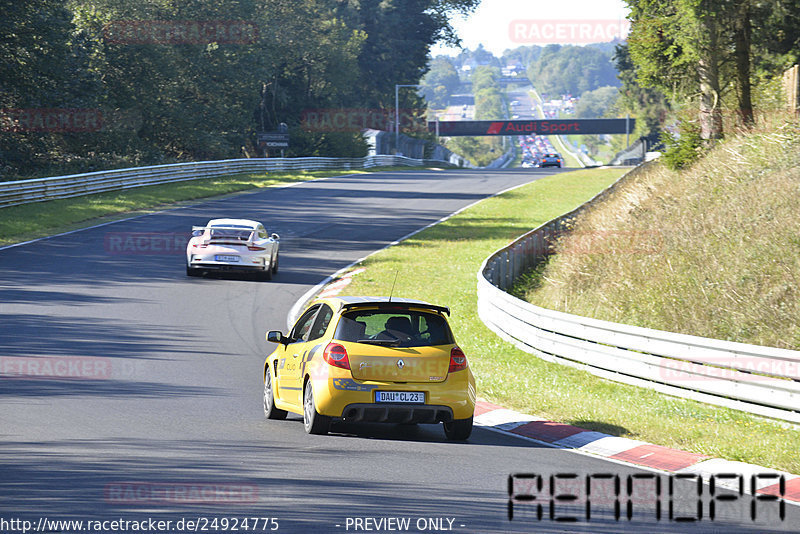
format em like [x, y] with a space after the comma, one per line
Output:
[595, 104]
[706, 47]
[40, 68]
[675, 45]
[648, 105]
[206, 96]
[440, 82]
[572, 70]
[524, 55]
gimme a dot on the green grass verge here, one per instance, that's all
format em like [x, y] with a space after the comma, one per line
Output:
[440, 265]
[39, 219]
[605, 152]
[569, 159]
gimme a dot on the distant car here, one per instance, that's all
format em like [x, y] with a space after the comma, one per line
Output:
[551, 160]
[232, 245]
[370, 359]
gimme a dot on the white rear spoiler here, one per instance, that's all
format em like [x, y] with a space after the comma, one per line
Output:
[216, 227]
[203, 229]
[248, 241]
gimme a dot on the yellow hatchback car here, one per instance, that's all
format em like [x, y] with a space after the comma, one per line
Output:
[370, 359]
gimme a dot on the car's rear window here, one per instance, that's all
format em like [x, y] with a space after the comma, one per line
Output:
[230, 233]
[402, 328]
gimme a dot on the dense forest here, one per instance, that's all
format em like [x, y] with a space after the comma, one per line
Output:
[95, 84]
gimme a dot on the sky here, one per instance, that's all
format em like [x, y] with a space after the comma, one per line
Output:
[503, 24]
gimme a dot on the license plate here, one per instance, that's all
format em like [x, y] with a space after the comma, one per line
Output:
[226, 258]
[411, 397]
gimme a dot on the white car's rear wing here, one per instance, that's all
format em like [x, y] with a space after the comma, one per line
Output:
[238, 240]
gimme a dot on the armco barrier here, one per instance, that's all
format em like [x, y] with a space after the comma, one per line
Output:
[752, 378]
[36, 190]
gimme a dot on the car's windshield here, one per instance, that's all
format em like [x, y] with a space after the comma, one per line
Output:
[401, 328]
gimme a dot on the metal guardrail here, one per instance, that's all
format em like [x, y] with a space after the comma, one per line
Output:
[752, 378]
[503, 161]
[40, 189]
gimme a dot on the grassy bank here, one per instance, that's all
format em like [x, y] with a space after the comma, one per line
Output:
[713, 251]
[39, 219]
[450, 254]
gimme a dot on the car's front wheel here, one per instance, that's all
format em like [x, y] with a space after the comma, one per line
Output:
[313, 421]
[269, 400]
[459, 430]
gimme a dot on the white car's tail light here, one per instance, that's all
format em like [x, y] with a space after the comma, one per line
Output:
[336, 355]
[254, 247]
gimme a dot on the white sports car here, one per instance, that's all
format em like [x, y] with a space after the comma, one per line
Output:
[232, 245]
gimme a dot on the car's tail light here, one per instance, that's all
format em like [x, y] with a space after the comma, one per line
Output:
[336, 355]
[458, 362]
[254, 247]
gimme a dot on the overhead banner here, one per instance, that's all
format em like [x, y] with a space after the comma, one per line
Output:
[533, 127]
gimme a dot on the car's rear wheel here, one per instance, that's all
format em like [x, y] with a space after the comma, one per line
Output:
[275, 265]
[459, 430]
[191, 271]
[313, 421]
[266, 274]
[269, 400]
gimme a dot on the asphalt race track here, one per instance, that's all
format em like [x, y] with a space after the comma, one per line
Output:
[162, 417]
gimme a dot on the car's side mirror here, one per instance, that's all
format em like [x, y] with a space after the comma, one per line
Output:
[275, 236]
[274, 336]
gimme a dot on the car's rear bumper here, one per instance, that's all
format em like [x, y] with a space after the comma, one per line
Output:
[226, 267]
[335, 394]
[397, 413]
